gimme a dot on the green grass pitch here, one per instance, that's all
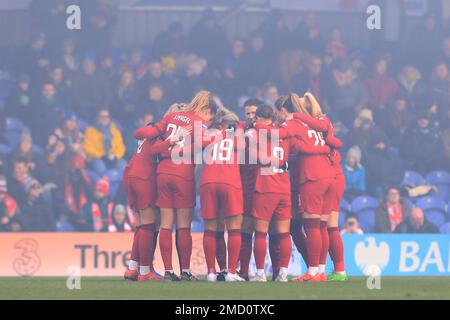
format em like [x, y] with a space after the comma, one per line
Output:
[117, 288]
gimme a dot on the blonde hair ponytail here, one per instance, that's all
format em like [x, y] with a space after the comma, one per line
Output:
[200, 102]
[312, 105]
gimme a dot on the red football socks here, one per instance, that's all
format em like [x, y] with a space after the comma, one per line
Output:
[246, 253]
[209, 247]
[221, 250]
[165, 246]
[274, 251]
[313, 241]
[234, 246]
[135, 247]
[145, 244]
[336, 249]
[260, 249]
[325, 242]
[185, 247]
[285, 250]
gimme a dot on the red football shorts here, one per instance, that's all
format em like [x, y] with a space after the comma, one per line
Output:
[175, 192]
[334, 197]
[272, 205]
[312, 195]
[141, 193]
[220, 197]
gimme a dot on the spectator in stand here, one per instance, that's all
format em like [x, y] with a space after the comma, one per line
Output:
[347, 94]
[271, 95]
[96, 214]
[20, 175]
[312, 80]
[310, 35]
[231, 66]
[354, 172]
[364, 128]
[8, 209]
[393, 210]
[24, 151]
[416, 223]
[251, 73]
[125, 99]
[336, 46]
[384, 167]
[397, 120]
[35, 59]
[120, 220]
[69, 60]
[61, 84]
[135, 64]
[103, 145]
[412, 87]
[351, 225]
[71, 135]
[91, 90]
[154, 76]
[155, 102]
[77, 185]
[381, 87]
[421, 147]
[47, 113]
[20, 101]
[36, 214]
[440, 86]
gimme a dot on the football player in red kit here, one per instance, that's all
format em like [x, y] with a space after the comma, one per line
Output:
[286, 109]
[331, 237]
[221, 193]
[248, 177]
[176, 179]
[288, 129]
[139, 180]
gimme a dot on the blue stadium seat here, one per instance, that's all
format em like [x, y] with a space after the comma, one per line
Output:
[93, 175]
[5, 149]
[443, 192]
[445, 228]
[413, 178]
[13, 124]
[364, 202]
[367, 219]
[82, 125]
[436, 217]
[13, 138]
[345, 205]
[438, 177]
[431, 203]
[38, 149]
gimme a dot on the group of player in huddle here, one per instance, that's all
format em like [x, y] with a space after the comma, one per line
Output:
[278, 173]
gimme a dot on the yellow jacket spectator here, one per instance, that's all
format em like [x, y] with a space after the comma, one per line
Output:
[104, 145]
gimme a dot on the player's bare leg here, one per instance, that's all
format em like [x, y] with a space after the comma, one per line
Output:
[314, 244]
[260, 248]
[146, 243]
[336, 248]
[234, 225]
[184, 241]
[165, 242]
[281, 228]
[246, 246]
[132, 271]
[210, 247]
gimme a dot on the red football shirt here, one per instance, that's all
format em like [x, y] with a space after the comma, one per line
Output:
[144, 162]
[184, 166]
[221, 159]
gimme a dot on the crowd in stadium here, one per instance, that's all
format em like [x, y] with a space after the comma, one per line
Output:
[71, 103]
